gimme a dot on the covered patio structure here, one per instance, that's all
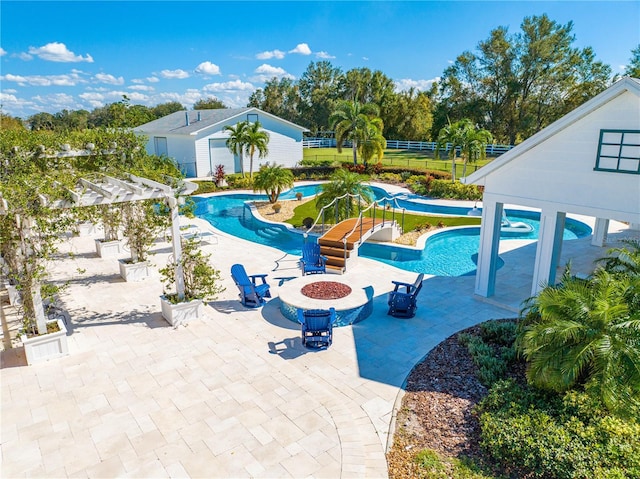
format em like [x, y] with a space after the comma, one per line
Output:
[586, 163]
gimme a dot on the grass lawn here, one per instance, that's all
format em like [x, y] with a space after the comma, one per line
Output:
[408, 158]
[308, 209]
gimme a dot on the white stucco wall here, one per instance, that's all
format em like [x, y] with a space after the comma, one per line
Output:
[560, 170]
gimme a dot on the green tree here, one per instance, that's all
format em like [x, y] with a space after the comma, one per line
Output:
[633, 68]
[8, 122]
[474, 146]
[211, 103]
[452, 137]
[343, 183]
[237, 140]
[371, 142]
[348, 119]
[42, 121]
[366, 86]
[256, 139]
[410, 116]
[273, 180]
[279, 97]
[164, 109]
[586, 333]
[320, 88]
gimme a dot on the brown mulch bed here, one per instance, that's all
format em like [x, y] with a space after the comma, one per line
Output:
[437, 409]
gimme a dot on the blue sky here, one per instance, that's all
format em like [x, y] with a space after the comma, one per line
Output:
[84, 54]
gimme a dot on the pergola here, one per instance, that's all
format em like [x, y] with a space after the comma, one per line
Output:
[586, 163]
[109, 190]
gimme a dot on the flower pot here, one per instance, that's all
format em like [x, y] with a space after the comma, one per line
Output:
[133, 271]
[221, 183]
[46, 346]
[107, 249]
[180, 313]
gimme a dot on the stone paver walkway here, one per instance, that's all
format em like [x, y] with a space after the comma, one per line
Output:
[233, 394]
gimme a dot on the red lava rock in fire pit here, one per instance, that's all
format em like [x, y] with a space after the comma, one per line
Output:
[326, 290]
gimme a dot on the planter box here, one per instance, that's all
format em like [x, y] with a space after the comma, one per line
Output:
[180, 313]
[46, 347]
[134, 271]
[86, 229]
[107, 249]
[14, 296]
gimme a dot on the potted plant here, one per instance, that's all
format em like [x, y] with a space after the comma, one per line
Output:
[111, 218]
[299, 196]
[219, 176]
[276, 207]
[142, 224]
[201, 282]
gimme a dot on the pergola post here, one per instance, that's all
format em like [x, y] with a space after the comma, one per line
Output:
[177, 245]
[548, 250]
[600, 232]
[26, 225]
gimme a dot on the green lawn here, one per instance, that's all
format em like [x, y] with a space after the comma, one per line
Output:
[407, 158]
[308, 209]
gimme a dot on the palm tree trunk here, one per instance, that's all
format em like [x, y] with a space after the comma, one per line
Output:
[354, 147]
[453, 166]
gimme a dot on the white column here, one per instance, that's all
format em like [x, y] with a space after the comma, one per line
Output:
[177, 246]
[548, 250]
[488, 250]
[600, 232]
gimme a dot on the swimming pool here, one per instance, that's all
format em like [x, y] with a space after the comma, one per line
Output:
[447, 253]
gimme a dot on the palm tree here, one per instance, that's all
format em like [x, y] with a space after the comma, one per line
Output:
[255, 139]
[236, 141]
[452, 134]
[344, 182]
[624, 260]
[474, 147]
[586, 333]
[371, 141]
[348, 119]
[273, 180]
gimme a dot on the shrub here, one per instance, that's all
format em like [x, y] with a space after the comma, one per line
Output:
[404, 175]
[536, 434]
[322, 161]
[276, 207]
[499, 332]
[238, 181]
[205, 187]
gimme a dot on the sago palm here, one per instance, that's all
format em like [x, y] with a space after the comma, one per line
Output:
[347, 121]
[256, 139]
[344, 182]
[586, 333]
[273, 180]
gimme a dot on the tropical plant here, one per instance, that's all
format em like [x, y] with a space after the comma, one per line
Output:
[142, 224]
[624, 260]
[371, 142]
[474, 146]
[452, 137]
[219, 175]
[237, 140]
[349, 188]
[256, 139]
[586, 333]
[348, 120]
[201, 280]
[273, 180]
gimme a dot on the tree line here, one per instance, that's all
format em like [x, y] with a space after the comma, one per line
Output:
[512, 85]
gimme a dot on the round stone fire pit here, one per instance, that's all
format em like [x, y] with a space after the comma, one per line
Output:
[352, 302]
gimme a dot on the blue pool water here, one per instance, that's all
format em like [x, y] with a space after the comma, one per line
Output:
[448, 253]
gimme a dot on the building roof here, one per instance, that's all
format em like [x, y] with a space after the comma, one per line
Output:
[625, 84]
[176, 123]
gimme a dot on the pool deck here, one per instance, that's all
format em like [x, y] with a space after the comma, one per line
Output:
[233, 394]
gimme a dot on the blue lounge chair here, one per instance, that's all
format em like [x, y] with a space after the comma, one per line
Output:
[317, 327]
[312, 261]
[252, 292]
[402, 303]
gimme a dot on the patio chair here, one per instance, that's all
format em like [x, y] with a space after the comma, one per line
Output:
[312, 262]
[402, 300]
[317, 327]
[252, 291]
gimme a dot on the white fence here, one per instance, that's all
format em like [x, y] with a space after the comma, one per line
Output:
[492, 150]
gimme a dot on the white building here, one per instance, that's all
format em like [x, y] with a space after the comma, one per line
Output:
[196, 140]
[586, 163]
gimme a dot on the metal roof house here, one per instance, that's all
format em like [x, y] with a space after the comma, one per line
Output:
[585, 163]
[196, 140]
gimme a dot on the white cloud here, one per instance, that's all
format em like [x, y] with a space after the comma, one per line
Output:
[3, 52]
[44, 80]
[229, 86]
[450, 62]
[23, 56]
[10, 90]
[153, 79]
[141, 88]
[302, 49]
[174, 74]
[267, 72]
[278, 54]
[208, 68]
[58, 52]
[137, 81]
[324, 55]
[366, 59]
[420, 85]
[57, 102]
[109, 79]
